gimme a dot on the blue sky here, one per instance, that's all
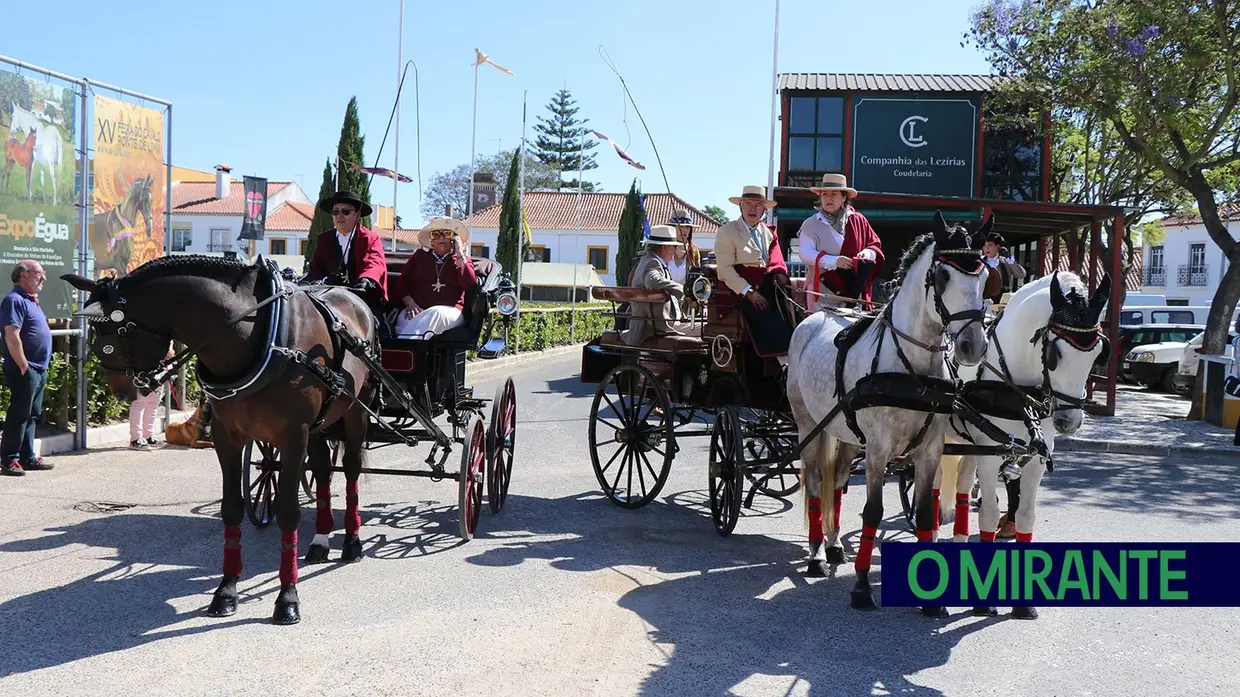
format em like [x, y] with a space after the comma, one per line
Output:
[262, 85]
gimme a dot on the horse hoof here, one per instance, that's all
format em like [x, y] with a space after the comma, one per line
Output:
[286, 613]
[317, 554]
[1024, 613]
[835, 555]
[222, 606]
[985, 612]
[352, 551]
[863, 600]
[816, 569]
[936, 612]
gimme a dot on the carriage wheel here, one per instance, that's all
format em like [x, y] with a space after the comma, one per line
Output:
[770, 435]
[469, 483]
[501, 443]
[260, 480]
[629, 395]
[727, 465]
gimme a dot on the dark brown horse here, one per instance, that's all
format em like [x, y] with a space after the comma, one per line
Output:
[258, 394]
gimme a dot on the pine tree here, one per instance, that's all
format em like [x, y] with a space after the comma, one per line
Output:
[508, 243]
[350, 149]
[561, 140]
[632, 221]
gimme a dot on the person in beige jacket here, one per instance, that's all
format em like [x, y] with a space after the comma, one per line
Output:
[651, 273]
[751, 264]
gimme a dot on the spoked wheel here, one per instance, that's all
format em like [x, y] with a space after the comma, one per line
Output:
[260, 480]
[469, 484]
[727, 465]
[769, 436]
[631, 429]
[501, 443]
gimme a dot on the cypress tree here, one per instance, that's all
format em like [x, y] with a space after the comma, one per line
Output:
[508, 243]
[632, 220]
[350, 149]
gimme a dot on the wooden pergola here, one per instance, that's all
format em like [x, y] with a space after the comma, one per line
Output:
[1022, 222]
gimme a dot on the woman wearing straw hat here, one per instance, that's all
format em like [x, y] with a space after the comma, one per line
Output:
[432, 284]
[687, 254]
[652, 273]
[751, 264]
[841, 250]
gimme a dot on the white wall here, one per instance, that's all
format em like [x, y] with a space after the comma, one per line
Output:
[1176, 247]
[570, 246]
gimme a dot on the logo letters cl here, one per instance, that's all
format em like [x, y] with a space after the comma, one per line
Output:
[908, 131]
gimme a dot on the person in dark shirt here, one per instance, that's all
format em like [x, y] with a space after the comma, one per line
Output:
[431, 288]
[27, 350]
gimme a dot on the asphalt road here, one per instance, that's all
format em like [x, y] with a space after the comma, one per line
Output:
[107, 562]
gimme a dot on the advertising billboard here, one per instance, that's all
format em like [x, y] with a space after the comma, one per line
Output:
[129, 200]
[38, 218]
[915, 146]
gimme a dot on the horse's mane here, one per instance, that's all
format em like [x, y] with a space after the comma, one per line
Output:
[910, 257]
[184, 265]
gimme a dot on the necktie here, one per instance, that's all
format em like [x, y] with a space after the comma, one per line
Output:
[757, 240]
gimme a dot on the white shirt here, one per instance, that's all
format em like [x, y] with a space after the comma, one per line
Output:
[345, 240]
[679, 271]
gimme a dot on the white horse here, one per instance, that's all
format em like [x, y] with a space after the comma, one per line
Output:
[941, 280]
[48, 147]
[1045, 341]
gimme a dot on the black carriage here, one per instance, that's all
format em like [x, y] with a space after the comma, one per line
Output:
[421, 382]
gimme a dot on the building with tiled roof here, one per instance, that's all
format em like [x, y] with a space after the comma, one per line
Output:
[1186, 265]
[207, 217]
[568, 229]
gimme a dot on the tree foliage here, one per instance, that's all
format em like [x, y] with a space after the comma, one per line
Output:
[1162, 75]
[508, 247]
[452, 187]
[716, 212]
[561, 140]
[350, 148]
[628, 248]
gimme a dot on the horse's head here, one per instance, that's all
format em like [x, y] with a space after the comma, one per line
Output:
[127, 350]
[957, 275]
[1071, 342]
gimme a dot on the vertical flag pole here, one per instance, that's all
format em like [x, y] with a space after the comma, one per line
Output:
[572, 327]
[400, 40]
[516, 345]
[770, 177]
[469, 206]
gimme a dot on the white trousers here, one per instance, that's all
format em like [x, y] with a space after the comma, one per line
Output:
[432, 321]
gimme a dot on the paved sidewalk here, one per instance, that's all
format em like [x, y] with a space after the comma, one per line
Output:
[1149, 423]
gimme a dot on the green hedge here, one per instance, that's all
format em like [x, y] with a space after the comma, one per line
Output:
[538, 331]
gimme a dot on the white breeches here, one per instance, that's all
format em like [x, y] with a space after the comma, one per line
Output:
[432, 321]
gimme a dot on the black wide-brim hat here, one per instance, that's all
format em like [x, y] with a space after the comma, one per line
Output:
[326, 204]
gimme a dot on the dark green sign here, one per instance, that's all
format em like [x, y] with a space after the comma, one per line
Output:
[915, 146]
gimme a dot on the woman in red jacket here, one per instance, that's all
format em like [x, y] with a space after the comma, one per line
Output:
[431, 288]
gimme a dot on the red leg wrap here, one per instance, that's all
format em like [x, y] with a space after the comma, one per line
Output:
[935, 524]
[232, 550]
[866, 548]
[1024, 537]
[987, 536]
[288, 557]
[815, 519]
[924, 535]
[961, 526]
[323, 521]
[839, 501]
[352, 517]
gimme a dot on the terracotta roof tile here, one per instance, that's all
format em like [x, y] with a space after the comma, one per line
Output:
[198, 198]
[404, 235]
[1229, 211]
[557, 210]
[291, 216]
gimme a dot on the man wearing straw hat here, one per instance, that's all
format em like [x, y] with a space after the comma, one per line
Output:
[840, 249]
[650, 319]
[751, 264]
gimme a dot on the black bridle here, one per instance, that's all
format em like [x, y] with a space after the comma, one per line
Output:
[1051, 400]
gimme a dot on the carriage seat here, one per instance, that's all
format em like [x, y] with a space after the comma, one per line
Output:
[676, 343]
[626, 294]
[477, 307]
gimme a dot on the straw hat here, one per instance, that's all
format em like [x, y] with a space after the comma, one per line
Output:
[753, 193]
[681, 216]
[662, 235]
[452, 225]
[834, 182]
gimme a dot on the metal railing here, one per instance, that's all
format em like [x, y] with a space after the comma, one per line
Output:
[1155, 276]
[1193, 275]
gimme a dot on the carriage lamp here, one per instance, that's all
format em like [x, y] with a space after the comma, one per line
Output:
[701, 289]
[506, 303]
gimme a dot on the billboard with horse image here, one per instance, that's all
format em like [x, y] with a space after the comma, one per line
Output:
[38, 218]
[129, 191]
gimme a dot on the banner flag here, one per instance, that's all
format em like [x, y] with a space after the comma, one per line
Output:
[481, 58]
[254, 225]
[619, 150]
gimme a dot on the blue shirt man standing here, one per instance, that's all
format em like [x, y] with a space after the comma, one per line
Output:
[27, 350]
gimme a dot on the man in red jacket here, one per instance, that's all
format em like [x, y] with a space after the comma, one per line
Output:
[350, 255]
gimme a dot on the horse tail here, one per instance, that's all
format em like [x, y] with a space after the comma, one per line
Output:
[828, 454]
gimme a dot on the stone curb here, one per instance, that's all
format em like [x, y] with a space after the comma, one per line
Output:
[97, 436]
[482, 365]
[1124, 447]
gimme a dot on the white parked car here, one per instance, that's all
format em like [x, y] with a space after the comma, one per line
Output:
[1190, 358]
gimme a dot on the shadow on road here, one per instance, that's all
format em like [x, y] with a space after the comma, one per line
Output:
[1195, 490]
[733, 610]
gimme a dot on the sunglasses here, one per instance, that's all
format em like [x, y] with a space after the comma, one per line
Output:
[342, 212]
[440, 234]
